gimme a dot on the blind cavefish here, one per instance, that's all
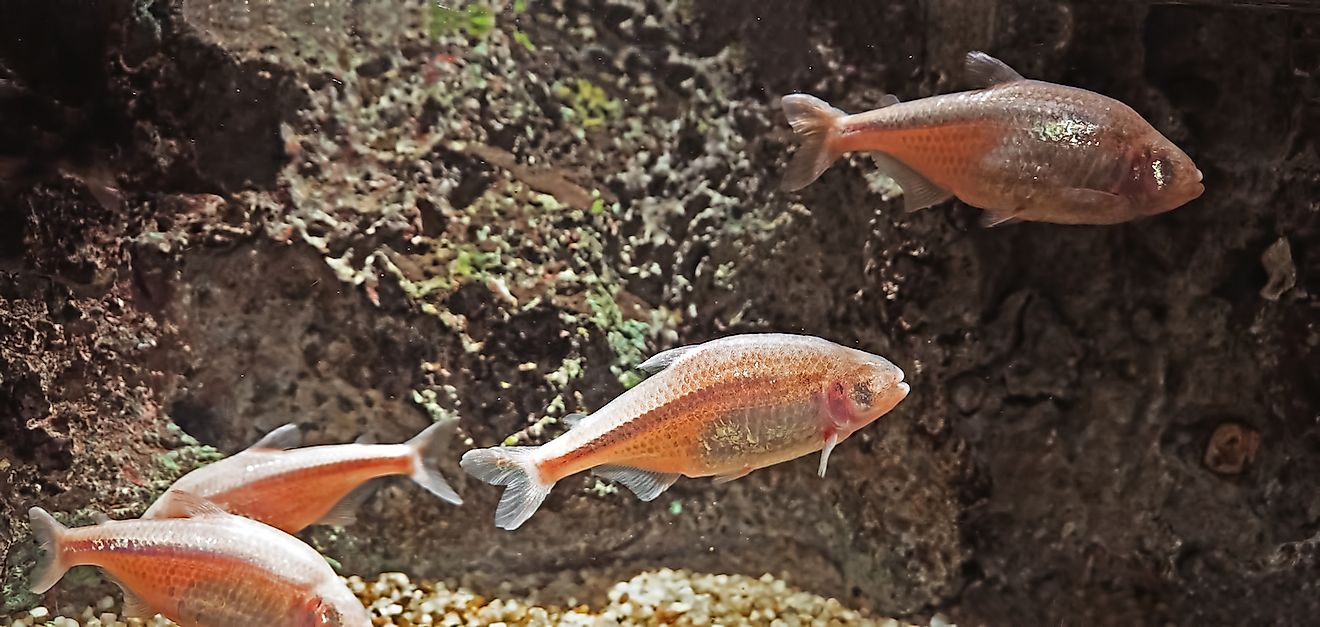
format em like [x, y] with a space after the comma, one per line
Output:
[292, 488]
[213, 569]
[722, 408]
[1019, 149]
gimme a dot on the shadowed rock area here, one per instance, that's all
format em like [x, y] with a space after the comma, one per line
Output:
[216, 218]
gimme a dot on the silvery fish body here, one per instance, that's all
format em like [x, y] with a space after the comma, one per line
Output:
[1019, 149]
[213, 569]
[723, 408]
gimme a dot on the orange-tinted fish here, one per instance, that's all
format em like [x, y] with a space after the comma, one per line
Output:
[723, 408]
[1019, 149]
[211, 570]
[291, 488]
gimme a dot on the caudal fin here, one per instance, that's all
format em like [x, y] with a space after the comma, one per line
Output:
[49, 533]
[430, 445]
[515, 468]
[813, 120]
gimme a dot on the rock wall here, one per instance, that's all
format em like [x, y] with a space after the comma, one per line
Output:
[217, 218]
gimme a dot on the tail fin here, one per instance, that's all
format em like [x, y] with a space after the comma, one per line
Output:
[512, 466]
[49, 533]
[813, 120]
[429, 446]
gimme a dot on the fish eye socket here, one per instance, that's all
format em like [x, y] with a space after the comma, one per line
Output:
[862, 395]
[1161, 172]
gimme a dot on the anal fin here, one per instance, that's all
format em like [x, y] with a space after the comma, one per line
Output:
[919, 192]
[646, 484]
[134, 606]
[344, 513]
[732, 476]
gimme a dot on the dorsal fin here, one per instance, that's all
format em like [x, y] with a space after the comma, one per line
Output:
[887, 100]
[573, 420]
[664, 359]
[189, 505]
[100, 518]
[984, 70]
[285, 437]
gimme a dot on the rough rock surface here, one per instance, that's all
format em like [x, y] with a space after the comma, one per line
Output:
[361, 216]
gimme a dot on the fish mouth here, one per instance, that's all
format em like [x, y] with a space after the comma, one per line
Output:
[904, 387]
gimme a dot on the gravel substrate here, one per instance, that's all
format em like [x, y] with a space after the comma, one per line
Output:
[663, 597]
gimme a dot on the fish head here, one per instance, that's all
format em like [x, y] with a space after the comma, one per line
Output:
[864, 390]
[1161, 177]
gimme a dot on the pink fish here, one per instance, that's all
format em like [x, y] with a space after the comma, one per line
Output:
[213, 569]
[723, 409]
[1019, 149]
[291, 489]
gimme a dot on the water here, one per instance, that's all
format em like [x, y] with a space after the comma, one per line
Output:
[364, 217]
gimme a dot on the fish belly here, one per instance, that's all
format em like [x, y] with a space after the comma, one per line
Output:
[203, 589]
[755, 437]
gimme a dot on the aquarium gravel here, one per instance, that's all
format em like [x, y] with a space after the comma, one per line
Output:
[662, 597]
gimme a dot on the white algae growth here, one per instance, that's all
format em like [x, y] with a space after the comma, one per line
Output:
[663, 597]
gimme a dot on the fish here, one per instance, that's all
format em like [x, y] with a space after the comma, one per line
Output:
[293, 488]
[212, 569]
[1019, 149]
[719, 409]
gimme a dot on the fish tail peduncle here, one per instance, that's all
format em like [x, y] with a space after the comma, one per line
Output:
[50, 534]
[515, 468]
[814, 121]
[429, 446]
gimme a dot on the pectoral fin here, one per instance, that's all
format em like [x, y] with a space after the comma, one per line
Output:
[1092, 200]
[134, 606]
[830, 443]
[733, 476]
[996, 218]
